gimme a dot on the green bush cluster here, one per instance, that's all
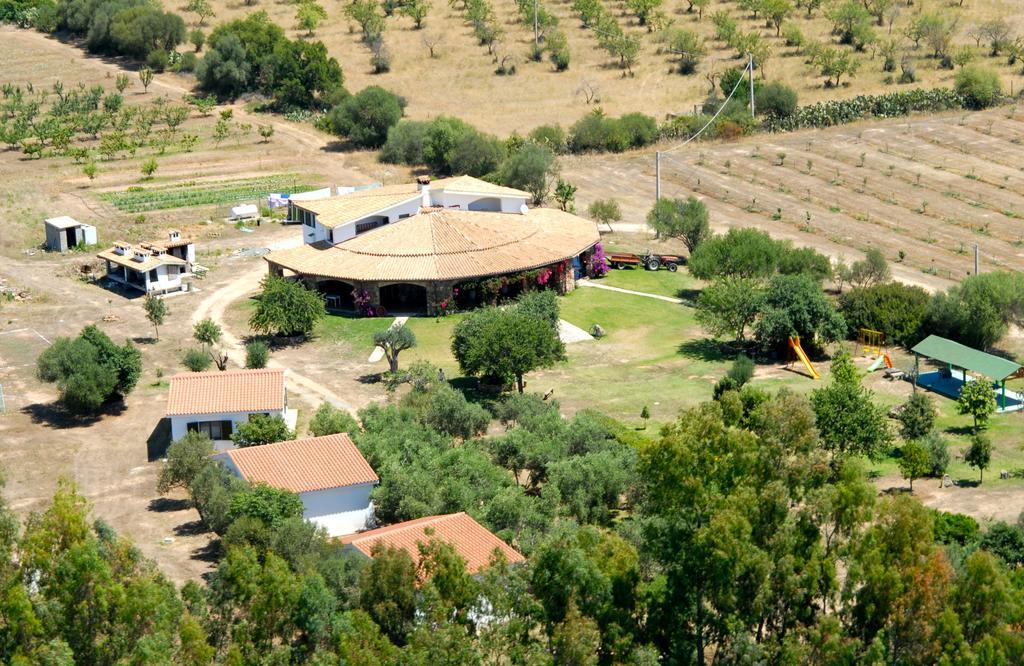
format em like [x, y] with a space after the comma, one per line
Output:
[889, 105]
[366, 117]
[897, 309]
[124, 27]
[253, 54]
[90, 371]
[596, 132]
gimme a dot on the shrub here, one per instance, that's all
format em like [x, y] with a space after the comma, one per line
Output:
[742, 370]
[285, 307]
[90, 370]
[979, 86]
[794, 305]
[476, 154]
[439, 141]
[776, 100]
[530, 168]
[257, 354]
[551, 136]
[404, 144]
[597, 132]
[977, 312]
[917, 418]
[187, 63]
[329, 420]
[938, 453]
[889, 105]
[896, 309]
[640, 128]
[450, 413]
[261, 429]
[157, 60]
[955, 528]
[196, 360]
[367, 117]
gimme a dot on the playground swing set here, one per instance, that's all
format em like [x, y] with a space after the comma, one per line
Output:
[870, 343]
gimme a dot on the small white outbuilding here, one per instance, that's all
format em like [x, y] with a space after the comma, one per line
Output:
[65, 233]
[329, 474]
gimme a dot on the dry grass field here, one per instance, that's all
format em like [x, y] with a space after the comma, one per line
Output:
[461, 80]
[924, 191]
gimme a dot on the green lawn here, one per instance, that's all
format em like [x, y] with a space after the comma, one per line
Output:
[356, 331]
[1003, 429]
[662, 283]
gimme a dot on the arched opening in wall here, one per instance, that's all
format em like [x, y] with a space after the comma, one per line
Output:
[404, 298]
[371, 223]
[487, 204]
[337, 295]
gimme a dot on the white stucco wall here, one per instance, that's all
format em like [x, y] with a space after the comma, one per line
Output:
[164, 281]
[179, 424]
[340, 511]
[463, 201]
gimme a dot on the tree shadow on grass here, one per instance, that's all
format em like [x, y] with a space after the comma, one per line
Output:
[967, 483]
[688, 296]
[191, 528]
[209, 553]
[962, 431]
[705, 349]
[144, 340]
[168, 504]
[53, 415]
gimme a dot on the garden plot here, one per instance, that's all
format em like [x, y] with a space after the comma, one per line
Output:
[924, 191]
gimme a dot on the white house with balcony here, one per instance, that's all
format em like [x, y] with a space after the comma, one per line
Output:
[153, 268]
[216, 403]
[339, 218]
[329, 474]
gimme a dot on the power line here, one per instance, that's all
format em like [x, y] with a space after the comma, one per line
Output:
[657, 155]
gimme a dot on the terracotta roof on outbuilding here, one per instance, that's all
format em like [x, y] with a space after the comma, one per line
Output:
[149, 259]
[471, 539]
[447, 244]
[229, 391]
[303, 465]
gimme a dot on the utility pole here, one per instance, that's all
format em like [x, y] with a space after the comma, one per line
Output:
[657, 176]
[750, 72]
[536, 33]
[976, 259]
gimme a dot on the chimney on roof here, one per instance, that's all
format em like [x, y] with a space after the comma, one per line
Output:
[120, 247]
[174, 235]
[141, 255]
[423, 183]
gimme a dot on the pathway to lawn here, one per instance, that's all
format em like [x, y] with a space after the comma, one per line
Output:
[595, 285]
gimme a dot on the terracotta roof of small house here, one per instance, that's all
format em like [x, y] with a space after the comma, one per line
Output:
[471, 539]
[447, 244]
[339, 210]
[229, 391]
[152, 260]
[303, 465]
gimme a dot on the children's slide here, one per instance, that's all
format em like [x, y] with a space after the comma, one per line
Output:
[881, 360]
[794, 344]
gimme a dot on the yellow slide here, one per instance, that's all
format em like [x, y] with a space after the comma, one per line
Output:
[794, 344]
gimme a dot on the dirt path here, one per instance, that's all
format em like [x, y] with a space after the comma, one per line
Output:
[243, 284]
[594, 285]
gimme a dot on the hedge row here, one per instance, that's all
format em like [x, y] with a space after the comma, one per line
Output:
[889, 105]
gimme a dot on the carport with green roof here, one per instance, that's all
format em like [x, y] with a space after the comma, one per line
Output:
[960, 357]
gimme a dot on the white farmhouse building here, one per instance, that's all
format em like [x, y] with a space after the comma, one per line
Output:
[215, 403]
[340, 218]
[329, 475]
[154, 268]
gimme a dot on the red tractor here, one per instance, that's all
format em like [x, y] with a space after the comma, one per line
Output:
[651, 262]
